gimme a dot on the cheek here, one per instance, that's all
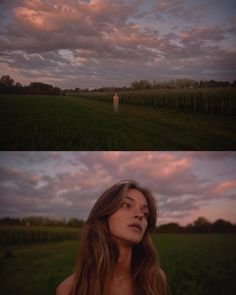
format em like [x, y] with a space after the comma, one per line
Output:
[117, 222]
[145, 225]
[113, 222]
[118, 218]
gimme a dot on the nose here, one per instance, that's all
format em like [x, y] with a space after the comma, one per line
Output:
[138, 217]
[138, 214]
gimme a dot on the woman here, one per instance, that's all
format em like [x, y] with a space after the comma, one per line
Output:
[116, 253]
[116, 99]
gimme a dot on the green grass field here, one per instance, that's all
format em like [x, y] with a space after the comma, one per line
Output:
[198, 264]
[75, 123]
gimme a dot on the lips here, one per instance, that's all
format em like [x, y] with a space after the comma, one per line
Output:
[136, 226]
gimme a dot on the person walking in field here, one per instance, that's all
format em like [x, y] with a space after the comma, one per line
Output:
[117, 256]
[116, 99]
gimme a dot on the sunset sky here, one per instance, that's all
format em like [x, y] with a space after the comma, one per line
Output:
[67, 184]
[97, 43]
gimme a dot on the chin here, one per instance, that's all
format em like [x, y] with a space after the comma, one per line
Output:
[129, 239]
[133, 241]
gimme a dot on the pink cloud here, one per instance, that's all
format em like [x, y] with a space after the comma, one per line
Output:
[55, 155]
[18, 176]
[56, 15]
[168, 4]
[96, 33]
[158, 166]
[203, 33]
[49, 18]
[71, 182]
[184, 36]
[94, 26]
[176, 166]
[224, 186]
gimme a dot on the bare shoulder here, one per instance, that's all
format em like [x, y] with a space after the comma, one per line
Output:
[163, 276]
[65, 287]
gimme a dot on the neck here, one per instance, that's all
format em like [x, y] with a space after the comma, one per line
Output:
[123, 266]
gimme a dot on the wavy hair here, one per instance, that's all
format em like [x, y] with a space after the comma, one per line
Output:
[99, 254]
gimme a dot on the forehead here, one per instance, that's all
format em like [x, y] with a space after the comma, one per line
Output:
[136, 196]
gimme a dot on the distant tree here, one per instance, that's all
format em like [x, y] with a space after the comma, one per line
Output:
[222, 226]
[7, 81]
[42, 88]
[201, 225]
[18, 85]
[202, 84]
[32, 221]
[74, 222]
[185, 83]
[170, 228]
[77, 90]
[189, 228]
[224, 84]
[68, 91]
[106, 89]
[56, 91]
[155, 85]
[6, 84]
[18, 88]
[10, 221]
[141, 85]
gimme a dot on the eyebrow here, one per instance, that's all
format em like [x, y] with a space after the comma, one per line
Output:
[131, 199]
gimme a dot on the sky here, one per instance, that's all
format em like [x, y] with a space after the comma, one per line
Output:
[98, 43]
[186, 185]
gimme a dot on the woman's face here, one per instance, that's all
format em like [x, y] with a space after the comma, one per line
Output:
[129, 222]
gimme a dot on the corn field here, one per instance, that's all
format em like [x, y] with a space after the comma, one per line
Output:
[12, 235]
[216, 101]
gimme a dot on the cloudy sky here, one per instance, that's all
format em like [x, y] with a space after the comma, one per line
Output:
[67, 184]
[72, 43]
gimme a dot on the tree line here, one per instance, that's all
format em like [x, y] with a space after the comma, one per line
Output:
[42, 221]
[180, 84]
[200, 225]
[9, 86]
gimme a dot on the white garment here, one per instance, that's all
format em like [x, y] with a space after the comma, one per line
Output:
[115, 103]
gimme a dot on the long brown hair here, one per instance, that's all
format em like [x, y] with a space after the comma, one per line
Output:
[99, 254]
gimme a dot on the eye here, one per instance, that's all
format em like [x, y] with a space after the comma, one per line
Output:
[126, 205]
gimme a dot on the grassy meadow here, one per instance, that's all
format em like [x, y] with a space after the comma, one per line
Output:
[173, 121]
[199, 264]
